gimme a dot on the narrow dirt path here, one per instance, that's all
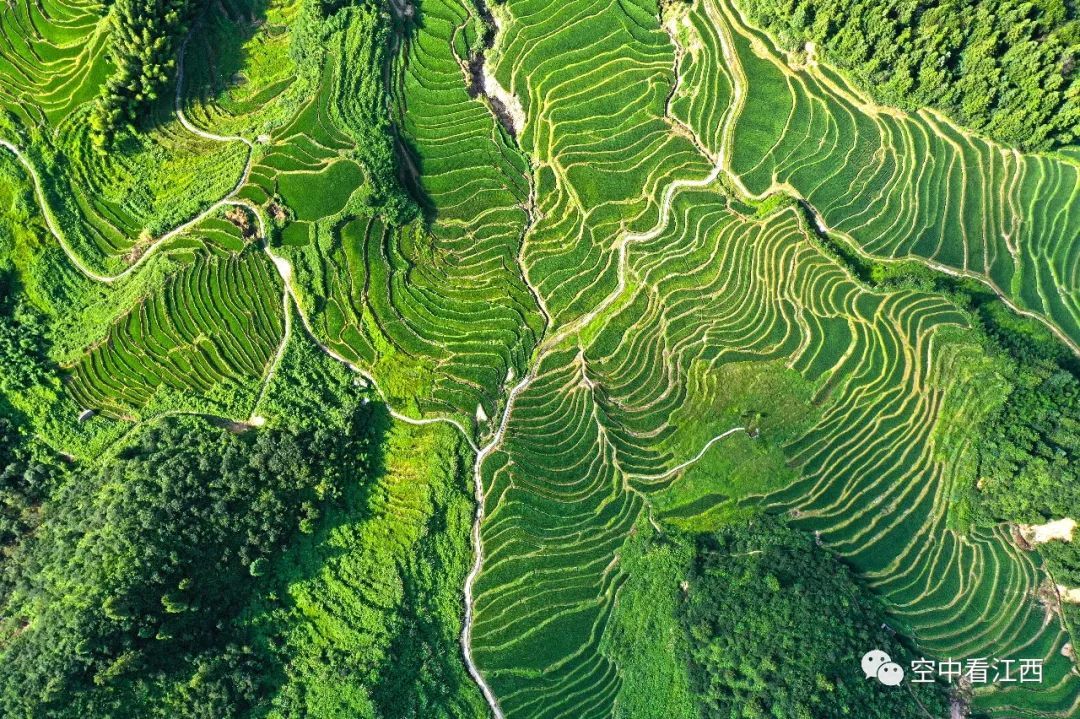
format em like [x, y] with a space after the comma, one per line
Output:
[50, 219]
[292, 300]
[478, 545]
[693, 460]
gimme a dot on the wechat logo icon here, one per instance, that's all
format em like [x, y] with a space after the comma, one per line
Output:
[880, 666]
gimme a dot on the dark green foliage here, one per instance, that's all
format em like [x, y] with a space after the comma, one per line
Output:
[362, 102]
[146, 36]
[23, 349]
[28, 470]
[1004, 67]
[27, 474]
[1029, 449]
[1063, 559]
[139, 569]
[222, 684]
[357, 36]
[777, 627]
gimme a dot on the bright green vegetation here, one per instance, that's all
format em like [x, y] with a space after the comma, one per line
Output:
[897, 376]
[217, 319]
[1006, 68]
[374, 594]
[724, 347]
[439, 311]
[23, 347]
[28, 470]
[1030, 449]
[108, 206]
[774, 402]
[818, 623]
[54, 60]
[899, 186]
[159, 584]
[644, 638]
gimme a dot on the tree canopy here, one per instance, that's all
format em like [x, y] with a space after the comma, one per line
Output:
[138, 568]
[777, 627]
[145, 38]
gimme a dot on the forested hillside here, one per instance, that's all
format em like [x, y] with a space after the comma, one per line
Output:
[792, 655]
[1007, 68]
[145, 38]
[137, 570]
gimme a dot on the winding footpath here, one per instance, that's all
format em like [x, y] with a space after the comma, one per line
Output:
[284, 269]
[53, 224]
[50, 220]
[693, 460]
[478, 544]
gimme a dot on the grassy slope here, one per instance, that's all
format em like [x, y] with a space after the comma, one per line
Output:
[366, 618]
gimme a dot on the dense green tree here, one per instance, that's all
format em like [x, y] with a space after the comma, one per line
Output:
[28, 472]
[777, 627]
[361, 103]
[145, 37]
[138, 569]
[1029, 449]
[23, 343]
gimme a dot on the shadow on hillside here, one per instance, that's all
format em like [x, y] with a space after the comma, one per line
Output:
[410, 163]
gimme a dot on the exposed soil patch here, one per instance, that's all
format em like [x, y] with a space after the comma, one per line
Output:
[1040, 533]
[504, 105]
[277, 212]
[1018, 538]
[239, 217]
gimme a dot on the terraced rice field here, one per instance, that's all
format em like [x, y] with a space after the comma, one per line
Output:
[53, 58]
[902, 185]
[218, 321]
[198, 314]
[599, 267]
[441, 313]
[676, 296]
[109, 207]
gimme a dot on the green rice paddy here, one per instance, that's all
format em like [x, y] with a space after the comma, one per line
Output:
[610, 289]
